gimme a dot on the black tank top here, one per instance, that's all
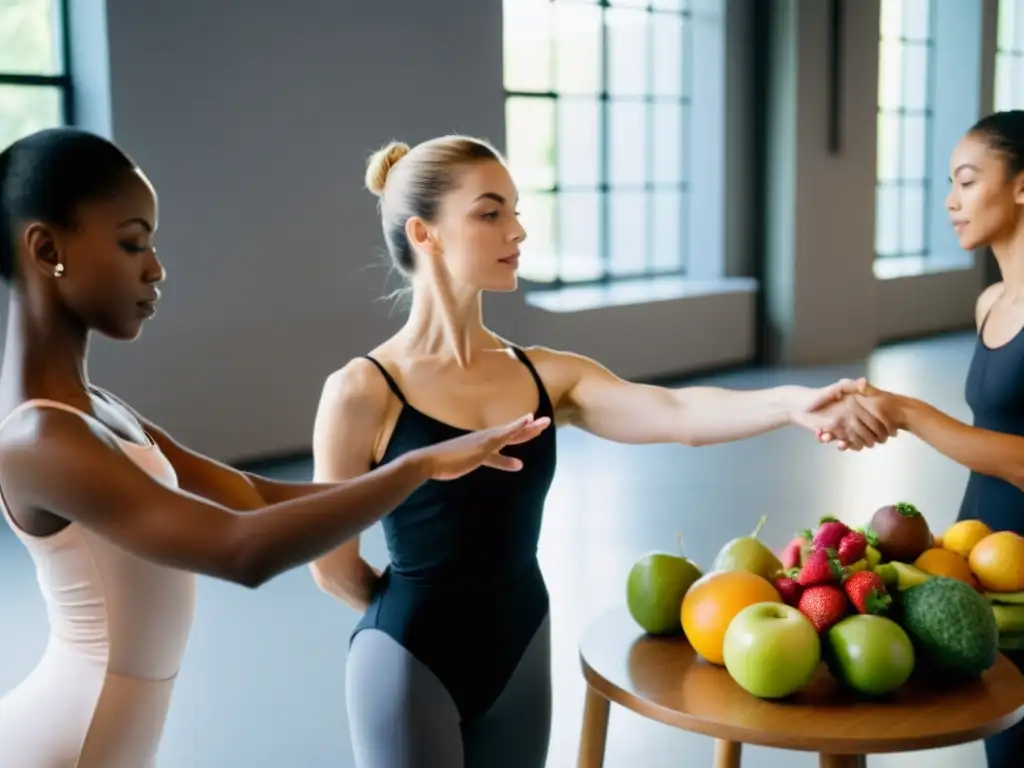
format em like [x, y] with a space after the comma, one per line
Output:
[463, 591]
[995, 393]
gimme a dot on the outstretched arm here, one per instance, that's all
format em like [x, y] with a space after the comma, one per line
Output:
[981, 450]
[210, 479]
[594, 399]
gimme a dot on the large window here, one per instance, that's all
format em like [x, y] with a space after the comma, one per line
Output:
[35, 85]
[905, 112]
[597, 115]
[1009, 92]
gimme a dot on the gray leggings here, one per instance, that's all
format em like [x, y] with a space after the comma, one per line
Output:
[401, 716]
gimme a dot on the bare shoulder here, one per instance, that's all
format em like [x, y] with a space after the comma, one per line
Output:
[986, 300]
[40, 444]
[356, 385]
[561, 370]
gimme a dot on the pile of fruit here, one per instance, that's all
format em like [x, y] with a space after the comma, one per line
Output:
[872, 603]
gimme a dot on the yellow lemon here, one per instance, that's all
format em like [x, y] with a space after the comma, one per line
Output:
[962, 536]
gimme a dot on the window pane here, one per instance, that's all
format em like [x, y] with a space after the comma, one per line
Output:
[913, 214]
[890, 81]
[887, 220]
[27, 109]
[669, 215]
[527, 45]
[627, 51]
[1006, 24]
[888, 145]
[915, 76]
[579, 253]
[531, 141]
[628, 139]
[668, 55]
[668, 143]
[916, 19]
[915, 144]
[1003, 86]
[577, 48]
[892, 18]
[628, 3]
[537, 215]
[628, 214]
[579, 137]
[28, 37]
[669, 5]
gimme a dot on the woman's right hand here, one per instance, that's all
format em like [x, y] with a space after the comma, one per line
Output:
[461, 455]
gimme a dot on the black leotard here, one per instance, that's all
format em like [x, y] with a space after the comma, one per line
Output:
[995, 392]
[463, 592]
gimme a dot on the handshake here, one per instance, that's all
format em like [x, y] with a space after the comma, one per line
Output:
[852, 414]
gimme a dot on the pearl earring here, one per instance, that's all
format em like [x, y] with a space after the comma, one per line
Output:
[58, 270]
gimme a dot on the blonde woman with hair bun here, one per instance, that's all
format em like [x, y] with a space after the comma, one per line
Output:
[450, 665]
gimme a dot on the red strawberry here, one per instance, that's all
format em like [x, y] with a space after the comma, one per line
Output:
[867, 592]
[852, 547]
[790, 590]
[822, 567]
[824, 605]
[792, 555]
[830, 532]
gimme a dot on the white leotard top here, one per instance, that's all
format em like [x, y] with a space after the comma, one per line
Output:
[104, 603]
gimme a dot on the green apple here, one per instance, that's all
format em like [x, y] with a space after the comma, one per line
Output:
[869, 653]
[655, 588]
[771, 650]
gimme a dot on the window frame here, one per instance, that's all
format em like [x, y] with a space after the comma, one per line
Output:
[1005, 56]
[926, 181]
[604, 187]
[63, 81]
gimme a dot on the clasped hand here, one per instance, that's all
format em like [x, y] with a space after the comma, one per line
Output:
[852, 414]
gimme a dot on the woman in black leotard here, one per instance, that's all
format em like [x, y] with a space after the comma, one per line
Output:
[986, 207]
[450, 664]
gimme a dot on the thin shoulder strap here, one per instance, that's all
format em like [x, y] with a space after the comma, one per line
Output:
[389, 379]
[525, 360]
[41, 403]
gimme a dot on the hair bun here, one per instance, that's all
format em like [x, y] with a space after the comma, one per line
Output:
[380, 164]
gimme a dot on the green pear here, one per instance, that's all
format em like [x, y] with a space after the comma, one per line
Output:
[747, 553]
[655, 588]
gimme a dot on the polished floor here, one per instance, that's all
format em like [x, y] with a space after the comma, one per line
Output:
[263, 680]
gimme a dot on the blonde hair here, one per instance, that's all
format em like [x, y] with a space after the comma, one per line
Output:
[412, 182]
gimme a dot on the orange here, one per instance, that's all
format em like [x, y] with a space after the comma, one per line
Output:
[998, 562]
[943, 562]
[962, 536]
[712, 603]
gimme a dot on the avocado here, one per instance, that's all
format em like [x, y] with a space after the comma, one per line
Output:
[951, 626]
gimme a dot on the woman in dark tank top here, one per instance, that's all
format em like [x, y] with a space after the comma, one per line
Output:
[986, 208]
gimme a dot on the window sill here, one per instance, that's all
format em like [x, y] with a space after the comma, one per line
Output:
[656, 289]
[914, 266]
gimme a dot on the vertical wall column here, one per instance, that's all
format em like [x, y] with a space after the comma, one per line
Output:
[818, 279]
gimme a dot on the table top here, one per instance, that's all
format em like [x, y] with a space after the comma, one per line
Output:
[664, 679]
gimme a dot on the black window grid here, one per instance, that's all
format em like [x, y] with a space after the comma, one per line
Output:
[604, 187]
[62, 81]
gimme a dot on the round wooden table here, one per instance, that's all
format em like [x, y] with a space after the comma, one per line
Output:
[663, 679]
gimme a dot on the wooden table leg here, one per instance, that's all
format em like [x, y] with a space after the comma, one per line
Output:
[727, 753]
[842, 761]
[595, 730]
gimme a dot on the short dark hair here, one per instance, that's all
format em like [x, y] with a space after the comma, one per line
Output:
[46, 175]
